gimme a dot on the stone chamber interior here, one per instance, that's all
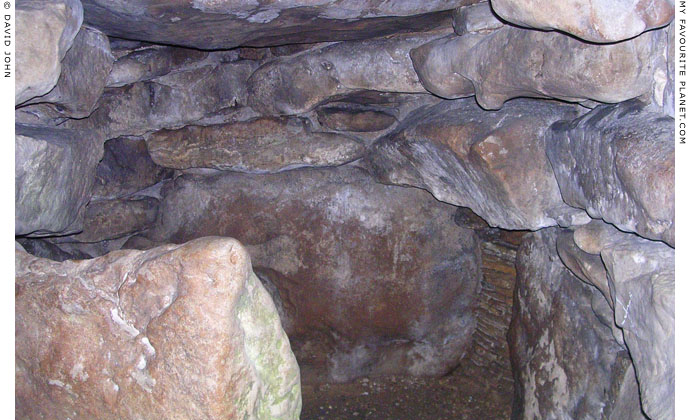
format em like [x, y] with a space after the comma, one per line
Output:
[344, 209]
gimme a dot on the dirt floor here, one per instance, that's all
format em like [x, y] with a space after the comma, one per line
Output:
[456, 396]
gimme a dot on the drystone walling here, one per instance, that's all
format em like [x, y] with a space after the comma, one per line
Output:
[218, 201]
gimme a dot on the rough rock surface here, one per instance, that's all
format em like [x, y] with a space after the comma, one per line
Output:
[493, 162]
[225, 24]
[553, 337]
[45, 249]
[54, 174]
[45, 31]
[175, 332]
[512, 62]
[643, 280]
[636, 277]
[169, 101]
[265, 144]
[347, 119]
[475, 18]
[126, 168]
[618, 163]
[112, 219]
[296, 84]
[149, 62]
[369, 279]
[591, 20]
[85, 69]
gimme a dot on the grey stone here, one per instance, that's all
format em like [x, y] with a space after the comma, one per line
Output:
[475, 18]
[642, 281]
[566, 363]
[149, 62]
[170, 101]
[54, 173]
[512, 62]
[85, 69]
[126, 168]
[265, 144]
[45, 31]
[296, 84]
[618, 163]
[493, 162]
[592, 20]
[225, 24]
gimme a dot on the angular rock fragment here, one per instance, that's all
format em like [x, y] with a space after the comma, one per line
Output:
[592, 20]
[553, 337]
[493, 162]
[265, 144]
[126, 168]
[618, 163]
[226, 24]
[511, 62]
[45, 249]
[369, 279]
[175, 332]
[296, 84]
[85, 69]
[45, 31]
[54, 173]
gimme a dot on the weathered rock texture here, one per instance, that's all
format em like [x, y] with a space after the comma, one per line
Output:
[296, 84]
[54, 173]
[149, 62]
[511, 62]
[170, 101]
[126, 168]
[45, 31]
[591, 20]
[212, 24]
[492, 162]
[369, 279]
[265, 144]
[638, 284]
[112, 219]
[618, 163]
[566, 363]
[177, 332]
[85, 69]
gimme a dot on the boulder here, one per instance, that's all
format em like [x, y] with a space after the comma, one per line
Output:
[85, 69]
[296, 84]
[126, 168]
[45, 31]
[180, 331]
[493, 162]
[475, 18]
[566, 363]
[369, 279]
[618, 163]
[513, 62]
[226, 24]
[264, 144]
[54, 173]
[592, 20]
